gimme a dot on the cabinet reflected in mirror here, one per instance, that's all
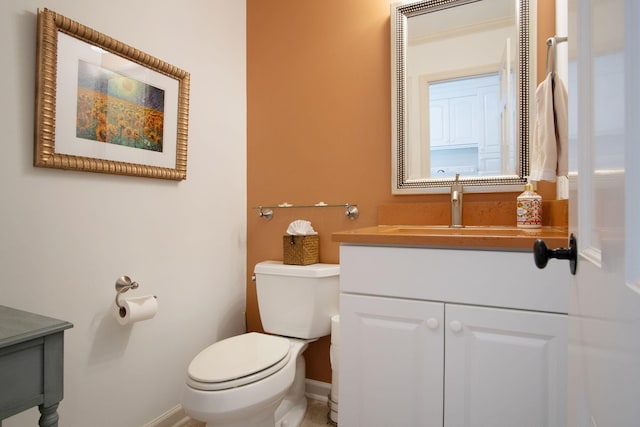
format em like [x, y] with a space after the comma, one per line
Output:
[468, 128]
[460, 94]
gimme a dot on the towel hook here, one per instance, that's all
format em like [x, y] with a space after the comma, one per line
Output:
[123, 284]
[551, 47]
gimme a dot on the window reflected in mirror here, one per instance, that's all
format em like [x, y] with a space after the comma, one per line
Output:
[465, 118]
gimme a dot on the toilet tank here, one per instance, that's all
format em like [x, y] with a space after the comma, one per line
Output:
[297, 300]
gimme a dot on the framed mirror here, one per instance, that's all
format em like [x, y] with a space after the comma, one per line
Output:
[462, 73]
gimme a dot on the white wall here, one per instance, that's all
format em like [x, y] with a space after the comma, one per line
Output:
[66, 236]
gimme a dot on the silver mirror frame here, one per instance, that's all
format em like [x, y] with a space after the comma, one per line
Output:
[526, 66]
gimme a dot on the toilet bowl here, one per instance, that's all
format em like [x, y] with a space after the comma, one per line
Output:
[258, 379]
[251, 389]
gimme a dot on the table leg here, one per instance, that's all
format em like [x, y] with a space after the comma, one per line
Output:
[48, 416]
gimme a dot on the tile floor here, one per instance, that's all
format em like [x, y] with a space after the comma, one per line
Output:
[316, 416]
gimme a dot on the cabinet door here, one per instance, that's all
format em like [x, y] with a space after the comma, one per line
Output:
[391, 362]
[463, 120]
[504, 367]
[439, 123]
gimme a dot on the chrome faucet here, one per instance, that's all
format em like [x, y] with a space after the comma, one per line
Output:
[456, 203]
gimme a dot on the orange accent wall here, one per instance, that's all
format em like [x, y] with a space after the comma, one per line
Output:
[319, 126]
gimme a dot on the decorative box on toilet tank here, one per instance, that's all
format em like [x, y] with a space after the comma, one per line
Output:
[301, 250]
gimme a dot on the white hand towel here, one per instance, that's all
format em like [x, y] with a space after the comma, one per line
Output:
[561, 110]
[550, 132]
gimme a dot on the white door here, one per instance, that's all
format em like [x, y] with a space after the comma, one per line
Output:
[393, 374]
[604, 300]
[504, 368]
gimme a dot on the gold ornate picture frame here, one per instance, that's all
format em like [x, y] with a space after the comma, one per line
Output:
[104, 106]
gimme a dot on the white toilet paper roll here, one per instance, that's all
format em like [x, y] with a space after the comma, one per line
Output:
[335, 379]
[136, 309]
[334, 351]
[335, 329]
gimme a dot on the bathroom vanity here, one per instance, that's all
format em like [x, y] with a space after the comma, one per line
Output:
[436, 335]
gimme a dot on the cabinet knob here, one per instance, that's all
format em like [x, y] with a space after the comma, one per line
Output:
[455, 325]
[432, 323]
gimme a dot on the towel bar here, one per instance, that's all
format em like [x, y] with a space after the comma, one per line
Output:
[351, 211]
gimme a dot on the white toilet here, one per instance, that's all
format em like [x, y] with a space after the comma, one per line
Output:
[258, 380]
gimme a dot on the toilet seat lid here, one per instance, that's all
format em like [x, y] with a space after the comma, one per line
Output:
[238, 357]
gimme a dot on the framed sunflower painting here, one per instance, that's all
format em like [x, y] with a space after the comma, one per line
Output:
[103, 106]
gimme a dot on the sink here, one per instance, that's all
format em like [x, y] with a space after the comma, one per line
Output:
[444, 230]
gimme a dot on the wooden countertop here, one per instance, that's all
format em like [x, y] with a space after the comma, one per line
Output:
[470, 237]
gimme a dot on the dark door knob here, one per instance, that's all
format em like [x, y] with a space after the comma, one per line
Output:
[542, 254]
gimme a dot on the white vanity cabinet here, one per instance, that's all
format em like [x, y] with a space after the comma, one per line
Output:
[439, 337]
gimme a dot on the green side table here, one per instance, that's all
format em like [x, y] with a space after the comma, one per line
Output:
[31, 364]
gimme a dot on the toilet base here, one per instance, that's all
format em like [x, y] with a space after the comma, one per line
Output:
[291, 410]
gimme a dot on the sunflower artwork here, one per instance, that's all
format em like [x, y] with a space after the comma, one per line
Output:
[117, 109]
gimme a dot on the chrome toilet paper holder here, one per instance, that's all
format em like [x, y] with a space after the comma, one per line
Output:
[123, 284]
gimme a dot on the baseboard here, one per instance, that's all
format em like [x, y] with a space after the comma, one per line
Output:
[317, 390]
[174, 417]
